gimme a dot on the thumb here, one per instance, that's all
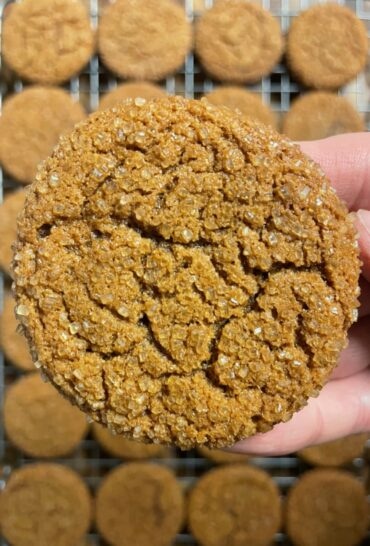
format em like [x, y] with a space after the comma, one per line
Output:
[363, 227]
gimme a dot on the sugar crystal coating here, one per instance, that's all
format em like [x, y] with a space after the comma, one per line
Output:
[187, 319]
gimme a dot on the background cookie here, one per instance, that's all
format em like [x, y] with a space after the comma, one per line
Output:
[30, 126]
[219, 456]
[13, 344]
[118, 446]
[131, 90]
[336, 453]
[39, 421]
[9, 210]
[326, 507]
[47, 41]
[234, 504]
[144, 39]
[249, 104]
[151, 332]
[327, 46]
[139, 503]
[319, 115]
[238, 41]
[45, 504]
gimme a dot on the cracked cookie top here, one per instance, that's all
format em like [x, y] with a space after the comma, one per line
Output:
[183, 274]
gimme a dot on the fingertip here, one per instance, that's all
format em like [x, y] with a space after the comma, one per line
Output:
[355, 357]
[345, 159]
[285, 438]
[343, 408]
[363, 227]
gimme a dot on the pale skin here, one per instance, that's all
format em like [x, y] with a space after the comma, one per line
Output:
[343, 406]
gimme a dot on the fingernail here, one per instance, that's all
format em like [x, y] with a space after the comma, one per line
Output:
[364, 218]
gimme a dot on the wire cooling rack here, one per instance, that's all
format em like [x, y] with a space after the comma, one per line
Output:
[278, 90]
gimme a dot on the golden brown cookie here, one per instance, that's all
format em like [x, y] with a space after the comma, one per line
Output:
[327, 46]
[139, 503]
[144, 39]
[238, 41]
[39, 421]
[47, 41]
[12, 343]
[119, 446]
[9, 210]
[30, 126]
[336, 453]
[220, 456]
[249, 104]
[234, 504]
[131, 90]
[327, 507]
[319, 115]
[45, 504]
[196, 275]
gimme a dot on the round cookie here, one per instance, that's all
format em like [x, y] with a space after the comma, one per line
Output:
[12, 343]
[47, 41]
[238, 41]
[327, 46]
[139, 503]
[9, 210]
[335, 453]
[30, 126]
[249, 104]
[187, 245]
[119, 446]
[326, 507]
[219, 456]
[45, 504]
[234, 504]
[131, 90]
[319, 115]
[39, 421]
[144, 39]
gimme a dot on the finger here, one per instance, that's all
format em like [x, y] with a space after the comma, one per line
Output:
[363, 227]
[342, 408]
[345, 159]
[356, 357]
[364, 297]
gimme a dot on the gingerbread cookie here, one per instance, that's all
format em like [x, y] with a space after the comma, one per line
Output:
[249, 104]
[139, 503]
[45, 504]
[238, 41]
[119, 446]
[39, 421]
[9, 210]
[47, 41]
[336, 453]
[319, 115]
[30, 126]
[144, 39]
[327, 507]
[234, 504]
[180, 245]
[131, 90]
[12, 343]
[327, 46]
[219, 456]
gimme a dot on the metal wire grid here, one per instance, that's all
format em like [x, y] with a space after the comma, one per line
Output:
[277, 90]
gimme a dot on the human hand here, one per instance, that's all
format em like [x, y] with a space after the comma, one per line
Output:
[343, 406]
